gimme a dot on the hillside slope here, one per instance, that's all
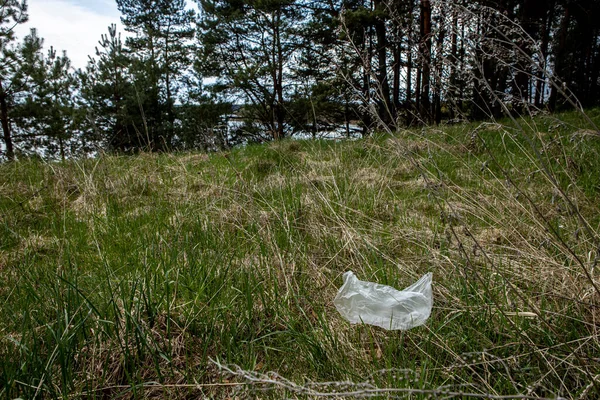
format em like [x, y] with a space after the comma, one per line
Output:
[191, 275]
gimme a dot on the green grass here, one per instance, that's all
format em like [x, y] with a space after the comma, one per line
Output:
[136, 277]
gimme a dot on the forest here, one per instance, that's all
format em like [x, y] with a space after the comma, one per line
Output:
[218, 73]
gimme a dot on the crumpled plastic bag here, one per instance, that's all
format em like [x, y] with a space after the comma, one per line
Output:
[380, 305]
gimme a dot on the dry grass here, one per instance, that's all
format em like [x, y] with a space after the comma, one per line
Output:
[128, 275]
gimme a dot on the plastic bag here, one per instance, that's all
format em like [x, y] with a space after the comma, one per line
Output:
[383, 306]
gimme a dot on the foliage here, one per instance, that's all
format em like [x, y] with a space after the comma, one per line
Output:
[160, 50]
[250, 46]
[12, 13]
[46, 113]
[109, 96]
[295, 67]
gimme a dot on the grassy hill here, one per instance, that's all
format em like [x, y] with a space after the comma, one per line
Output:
[194, 275]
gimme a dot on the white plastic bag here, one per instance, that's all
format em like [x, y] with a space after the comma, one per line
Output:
[383, 306]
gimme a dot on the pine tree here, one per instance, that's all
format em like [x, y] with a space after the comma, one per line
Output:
[161, 50]
[109, 96]
[319, 93]
[249, 46]
[44, 114]
[12, 13]
[56, 95]
[356, 59]
[26, 64]
[425, 54]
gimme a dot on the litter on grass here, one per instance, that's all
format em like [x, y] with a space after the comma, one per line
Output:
[380, 305]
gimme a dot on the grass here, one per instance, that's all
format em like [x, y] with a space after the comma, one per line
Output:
[194, 275]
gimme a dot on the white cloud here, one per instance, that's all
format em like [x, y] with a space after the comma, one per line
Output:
[71, 25]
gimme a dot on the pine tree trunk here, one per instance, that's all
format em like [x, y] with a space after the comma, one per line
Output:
[546, 29]
[418, 88]
[280, 112]
[491, 79]
[347, 117]
[409, 63]
[425, 47]
[453, 65]
[409, 67]
[396, 83]
[10, 154]
[559, 54]
[529, 21]
[117, 134]
[595, 68]
[384, 87]
[481, 102]
[170, 107]
[438, 77]
[461, 63]
[61, 145]
[368, 50]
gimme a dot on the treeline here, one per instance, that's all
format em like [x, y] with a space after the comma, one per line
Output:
[254, 70]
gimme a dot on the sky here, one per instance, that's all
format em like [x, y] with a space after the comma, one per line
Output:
[71, 25]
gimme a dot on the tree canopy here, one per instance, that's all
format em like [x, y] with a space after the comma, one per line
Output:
[254, 70]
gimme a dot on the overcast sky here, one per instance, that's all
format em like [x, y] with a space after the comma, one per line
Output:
[71, 25]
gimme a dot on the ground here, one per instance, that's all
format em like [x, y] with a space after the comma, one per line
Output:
[186, 275]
